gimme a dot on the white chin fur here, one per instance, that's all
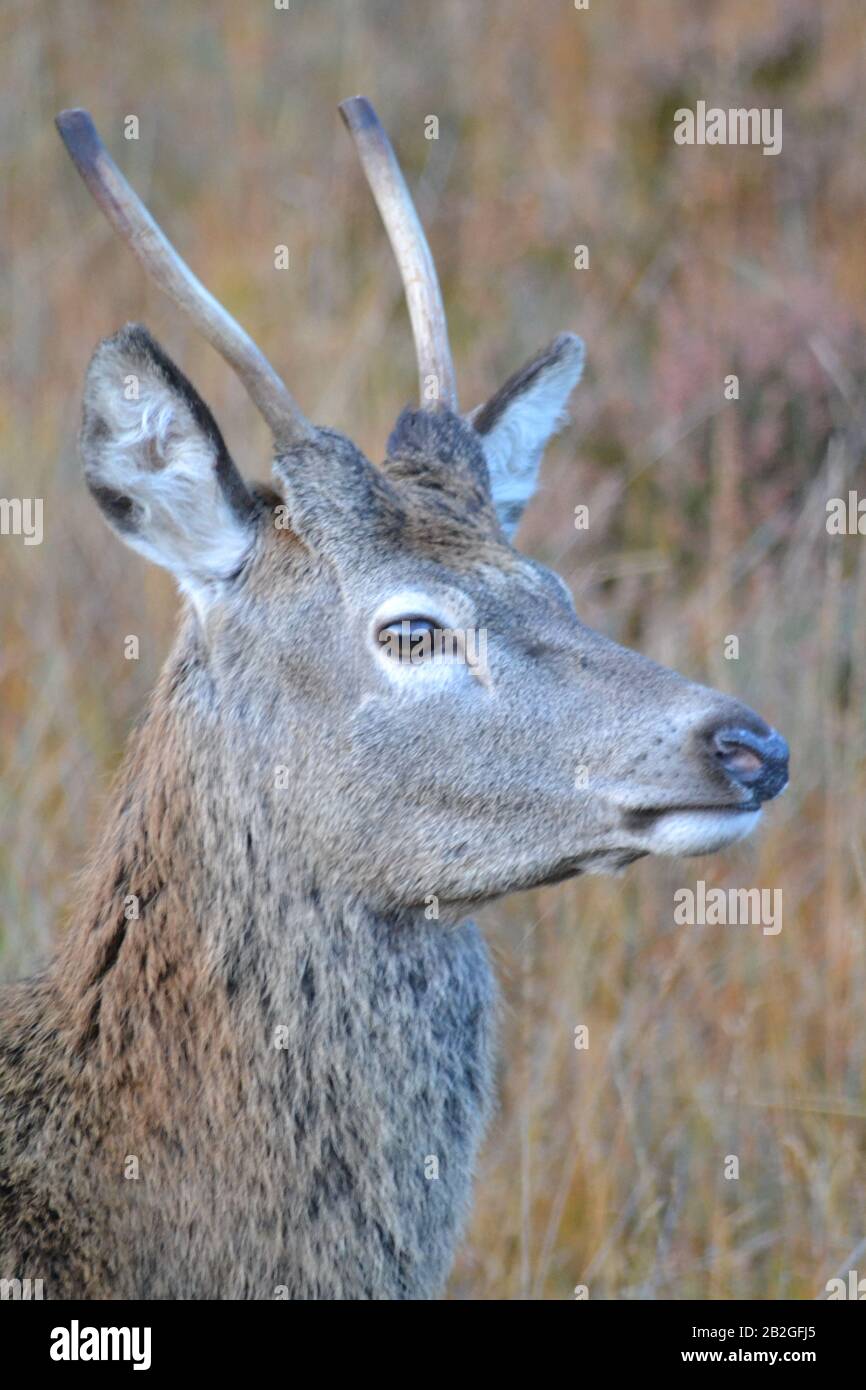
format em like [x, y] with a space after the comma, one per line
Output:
[698, 832]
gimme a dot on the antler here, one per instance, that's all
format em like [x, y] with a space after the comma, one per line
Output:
[134, 224]
[410, 247]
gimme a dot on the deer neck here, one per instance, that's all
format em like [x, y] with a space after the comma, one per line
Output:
[192, 920]
[341, 1057]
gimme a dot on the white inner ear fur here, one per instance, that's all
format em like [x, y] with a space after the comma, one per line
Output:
[156, 454]
[514, 446]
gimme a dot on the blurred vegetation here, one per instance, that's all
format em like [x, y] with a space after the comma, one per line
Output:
[707, 518]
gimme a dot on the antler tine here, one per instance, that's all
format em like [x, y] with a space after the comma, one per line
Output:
[134, 224]
[406, 235]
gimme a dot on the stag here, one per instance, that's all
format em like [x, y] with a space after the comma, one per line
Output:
[259, 1063]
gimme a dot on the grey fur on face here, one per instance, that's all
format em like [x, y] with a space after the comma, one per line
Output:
[260, 1062]
[293, 1046]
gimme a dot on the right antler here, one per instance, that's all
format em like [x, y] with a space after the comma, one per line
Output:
[134, 224]
[409, 243]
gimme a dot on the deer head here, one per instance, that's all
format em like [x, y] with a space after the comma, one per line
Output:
[526, 747]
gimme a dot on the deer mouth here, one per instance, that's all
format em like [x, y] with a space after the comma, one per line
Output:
[640, 817]
[689, 830]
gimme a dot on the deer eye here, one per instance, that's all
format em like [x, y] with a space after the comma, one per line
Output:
[408, 639]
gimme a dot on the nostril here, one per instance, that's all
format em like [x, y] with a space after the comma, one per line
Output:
[757, 761]
[743, 763]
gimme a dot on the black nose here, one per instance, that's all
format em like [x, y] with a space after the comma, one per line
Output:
[756, 761]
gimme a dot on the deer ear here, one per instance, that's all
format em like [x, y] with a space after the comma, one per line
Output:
[517, 422]
[156, 463]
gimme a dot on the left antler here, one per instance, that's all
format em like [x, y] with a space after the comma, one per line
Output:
[134, 224]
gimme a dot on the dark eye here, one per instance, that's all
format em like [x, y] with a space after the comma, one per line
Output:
[409, 639]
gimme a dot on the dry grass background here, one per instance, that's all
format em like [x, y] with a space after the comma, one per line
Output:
[603, 1167]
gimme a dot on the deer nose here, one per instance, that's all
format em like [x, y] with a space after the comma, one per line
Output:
[758, 761]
